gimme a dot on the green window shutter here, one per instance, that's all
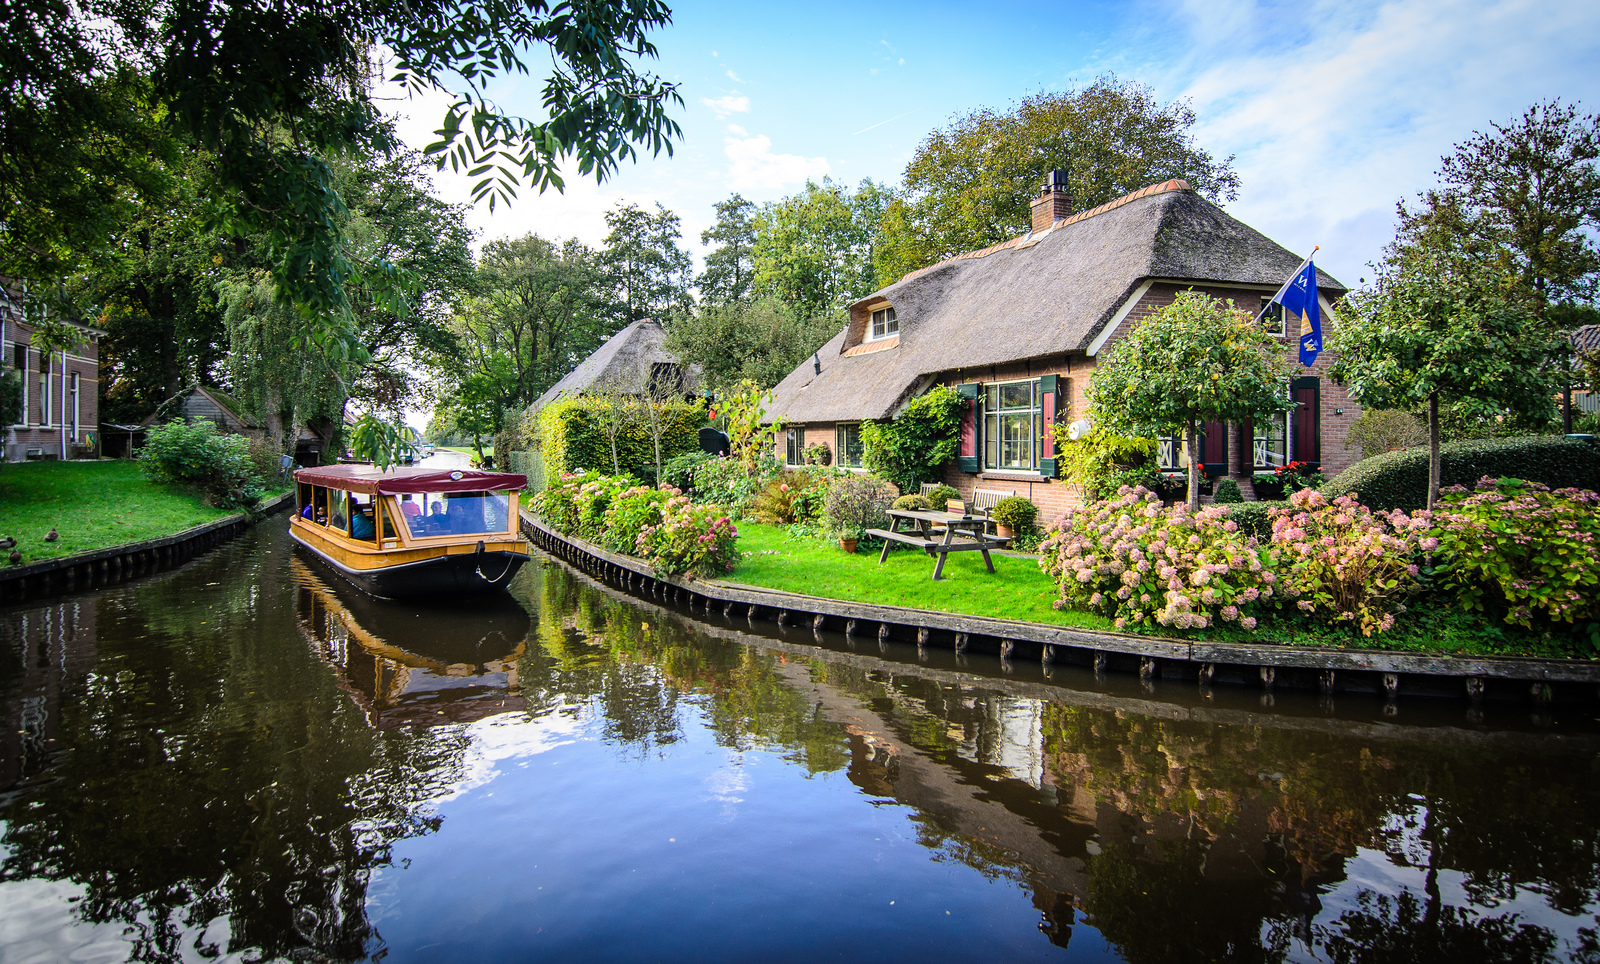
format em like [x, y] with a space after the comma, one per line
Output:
[969, 390]
[1047, 383]
[1047, 468]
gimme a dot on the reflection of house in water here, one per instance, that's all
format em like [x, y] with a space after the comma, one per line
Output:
[409, 666]
[52, 645]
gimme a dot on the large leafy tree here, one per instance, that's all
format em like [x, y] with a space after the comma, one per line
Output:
[1197, 360]
[969, 184]
[761, 341]
[90, 91]
[814, 250]
[648, 267]
[730, 270]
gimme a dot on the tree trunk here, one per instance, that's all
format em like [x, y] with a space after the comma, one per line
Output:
[1433, 449]
[1192, 440]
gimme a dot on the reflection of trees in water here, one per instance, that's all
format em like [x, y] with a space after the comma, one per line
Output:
[213, 769]
[1407, 930]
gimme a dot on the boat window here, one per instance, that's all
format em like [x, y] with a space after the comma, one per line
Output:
[338, 512]
[459, 513]
[319, 506]
[363, 517]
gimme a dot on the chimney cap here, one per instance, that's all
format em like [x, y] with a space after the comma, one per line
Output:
[1055, 182]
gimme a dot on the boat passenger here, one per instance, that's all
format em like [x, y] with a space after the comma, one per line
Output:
[306, 512]
[361, 526]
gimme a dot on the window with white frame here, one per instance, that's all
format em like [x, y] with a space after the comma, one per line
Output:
[847, 446]
[1271, 442]
[1271, 315]
[1013, 425]
[884, 324]
[791, 451]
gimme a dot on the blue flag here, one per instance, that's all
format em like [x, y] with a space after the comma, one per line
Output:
[1300, 297]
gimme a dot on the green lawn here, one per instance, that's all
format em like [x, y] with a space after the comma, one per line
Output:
[91, 505]
[467, 450]
[1016, 590]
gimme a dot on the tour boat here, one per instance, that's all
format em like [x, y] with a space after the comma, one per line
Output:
[412, 533]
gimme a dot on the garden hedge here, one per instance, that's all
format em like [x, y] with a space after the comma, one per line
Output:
[573, 439]
[1399, 480]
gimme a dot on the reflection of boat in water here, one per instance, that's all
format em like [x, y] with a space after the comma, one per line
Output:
[412, 533]
[407, 665]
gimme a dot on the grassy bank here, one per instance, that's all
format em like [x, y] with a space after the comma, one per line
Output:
[91, 505]
[1019, 590]
[467, 450]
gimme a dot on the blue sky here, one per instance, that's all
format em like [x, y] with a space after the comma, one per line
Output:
[1334, 111]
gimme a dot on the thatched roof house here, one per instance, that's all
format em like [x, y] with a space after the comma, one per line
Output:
[630, 362]
[1030, 316]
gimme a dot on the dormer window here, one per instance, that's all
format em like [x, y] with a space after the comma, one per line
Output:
[884, 324]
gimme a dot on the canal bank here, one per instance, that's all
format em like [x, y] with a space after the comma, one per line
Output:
[103, 567]
[1263, 665]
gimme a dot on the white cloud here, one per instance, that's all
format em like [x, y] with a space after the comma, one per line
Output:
[1354, 111]
[753, 166]
[734, 103]
[734, 77]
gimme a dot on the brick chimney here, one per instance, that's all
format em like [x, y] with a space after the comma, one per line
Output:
[1054, 201]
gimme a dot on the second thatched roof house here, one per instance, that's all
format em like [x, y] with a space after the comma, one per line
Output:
[634, 361]
[1017, 329]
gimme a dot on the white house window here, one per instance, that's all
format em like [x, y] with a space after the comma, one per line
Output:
[847, 446]
[791, 454]
[884, 324]
[1272, 316]
[1271, 442]
[1013, 425]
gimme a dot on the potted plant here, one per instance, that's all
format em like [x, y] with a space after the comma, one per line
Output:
[1013, 514]
[1269, 488]
[849, 536]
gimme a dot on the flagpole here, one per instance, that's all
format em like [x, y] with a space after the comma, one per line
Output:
[1293, 275]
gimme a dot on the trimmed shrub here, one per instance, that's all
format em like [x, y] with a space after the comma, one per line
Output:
[1255, 518]
[939, 495]
[679, 470]
[857, 502]
[193, 453]
[571, 433]
[1228, 492]
[1520, 546]
[1015, 513]
[1399, 480]
[913, 503]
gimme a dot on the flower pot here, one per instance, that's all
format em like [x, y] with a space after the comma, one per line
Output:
[1269, 491]
[1003, 531]
[848, 545]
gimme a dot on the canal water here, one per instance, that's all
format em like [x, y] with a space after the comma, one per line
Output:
[245, 759]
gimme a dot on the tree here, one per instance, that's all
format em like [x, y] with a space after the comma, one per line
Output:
[1527, 195]
[969, 185]
[382, 442]
[761, 341]
[814, 250]
[648, 269]
[472, 408]
[1437, 326]
[730, 270]
[273, 90]
[1196, 360]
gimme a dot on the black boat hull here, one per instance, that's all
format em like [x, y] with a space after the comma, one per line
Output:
[441, 578]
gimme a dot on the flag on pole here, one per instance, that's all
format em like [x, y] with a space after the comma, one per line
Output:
[1300, 297]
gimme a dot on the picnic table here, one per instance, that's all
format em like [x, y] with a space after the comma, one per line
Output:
[915, 527]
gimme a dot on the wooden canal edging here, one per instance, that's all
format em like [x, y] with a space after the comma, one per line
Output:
[117, 563]
[1265, 665]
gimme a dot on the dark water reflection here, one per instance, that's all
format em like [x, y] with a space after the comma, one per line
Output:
[246, 760]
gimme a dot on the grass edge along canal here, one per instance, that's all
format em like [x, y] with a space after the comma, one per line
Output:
[93, 506]
[773, 559]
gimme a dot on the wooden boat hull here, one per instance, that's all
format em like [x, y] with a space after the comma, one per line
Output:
[442, 576]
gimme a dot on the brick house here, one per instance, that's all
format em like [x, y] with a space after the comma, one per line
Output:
[61, 410]
[1018, 328]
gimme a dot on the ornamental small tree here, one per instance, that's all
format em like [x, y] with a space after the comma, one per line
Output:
[1440, 325]
[1198, 360]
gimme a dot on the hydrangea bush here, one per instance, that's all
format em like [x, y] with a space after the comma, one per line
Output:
[1135, 562]
[659, 525]
[1341, 561]
[630, 512]
[697, 539]
[1533, 548]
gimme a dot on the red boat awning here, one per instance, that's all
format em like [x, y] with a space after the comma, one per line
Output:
[368, 478]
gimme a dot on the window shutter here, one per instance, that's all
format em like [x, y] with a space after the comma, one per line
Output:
[967, 460]
[1049, 399]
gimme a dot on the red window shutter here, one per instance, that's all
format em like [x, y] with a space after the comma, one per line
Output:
[969, 431]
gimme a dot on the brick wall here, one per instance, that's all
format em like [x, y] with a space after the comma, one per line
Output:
[47, 437]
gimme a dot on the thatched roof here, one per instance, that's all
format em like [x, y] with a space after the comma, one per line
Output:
[622, 364]
[1045, 293]
[1586, 339]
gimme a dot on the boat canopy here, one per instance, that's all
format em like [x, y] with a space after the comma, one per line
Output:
[398, 480]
